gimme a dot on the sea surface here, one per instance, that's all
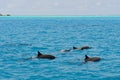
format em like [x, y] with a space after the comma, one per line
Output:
[22, 37]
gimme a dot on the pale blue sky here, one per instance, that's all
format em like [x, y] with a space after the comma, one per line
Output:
[60, 7]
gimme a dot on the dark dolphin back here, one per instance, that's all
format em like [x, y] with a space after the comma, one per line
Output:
[52, 57]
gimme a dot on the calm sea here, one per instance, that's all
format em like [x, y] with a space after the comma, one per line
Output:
[22, 37]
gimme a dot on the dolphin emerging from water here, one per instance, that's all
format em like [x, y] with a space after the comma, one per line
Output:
[94, 59]
[81, 48]
[45, 56]
[42, 56]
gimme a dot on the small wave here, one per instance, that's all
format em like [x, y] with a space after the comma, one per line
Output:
[17, 44]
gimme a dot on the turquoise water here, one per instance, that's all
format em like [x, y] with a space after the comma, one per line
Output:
[22, 37]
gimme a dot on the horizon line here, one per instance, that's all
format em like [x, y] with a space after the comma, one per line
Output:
[59, 16]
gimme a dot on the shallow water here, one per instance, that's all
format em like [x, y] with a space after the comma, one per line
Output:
[22, 37]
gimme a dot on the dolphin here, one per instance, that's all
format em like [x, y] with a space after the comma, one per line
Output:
[85, 47]
[81, 48]
[45, 56]
[40, 55]
[94, 59]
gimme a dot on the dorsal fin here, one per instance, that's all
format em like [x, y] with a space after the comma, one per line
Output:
[74, 47]
[39, 54]
[86, 57]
